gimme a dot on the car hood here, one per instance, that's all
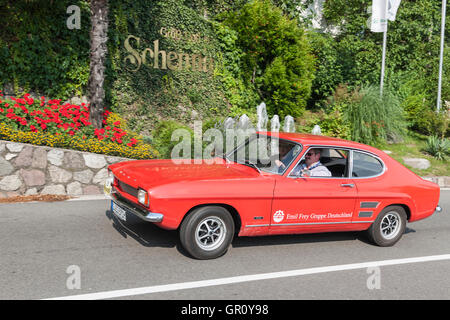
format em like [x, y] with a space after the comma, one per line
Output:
[150, 173]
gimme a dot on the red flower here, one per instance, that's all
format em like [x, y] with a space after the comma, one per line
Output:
[117, 123]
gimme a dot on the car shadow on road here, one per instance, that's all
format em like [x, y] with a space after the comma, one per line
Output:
[296, 239]
[304, 238]
[145, 233]
[149, 235]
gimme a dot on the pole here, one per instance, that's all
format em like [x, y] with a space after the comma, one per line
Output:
[441, 56]
[383, 58]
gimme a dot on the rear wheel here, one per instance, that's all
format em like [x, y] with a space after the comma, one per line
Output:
[389, 226]
[207, 232]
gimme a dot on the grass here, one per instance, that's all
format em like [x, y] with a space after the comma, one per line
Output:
[413, 146]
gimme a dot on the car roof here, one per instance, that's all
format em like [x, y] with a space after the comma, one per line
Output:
[312, 139]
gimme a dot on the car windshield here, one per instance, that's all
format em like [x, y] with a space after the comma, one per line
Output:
[265, 153]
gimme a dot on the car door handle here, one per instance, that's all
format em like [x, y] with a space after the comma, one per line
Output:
[348, 185]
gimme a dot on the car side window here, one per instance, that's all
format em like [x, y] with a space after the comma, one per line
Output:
[365, 165]
[333, 163]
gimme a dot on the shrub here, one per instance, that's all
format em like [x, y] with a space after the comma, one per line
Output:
[162, 137]
[438, 147]
[50, 123]
[308, 120]
[329, 73]
[375, 119]
[275, 58]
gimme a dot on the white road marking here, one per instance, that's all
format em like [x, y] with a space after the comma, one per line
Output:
[247, 278]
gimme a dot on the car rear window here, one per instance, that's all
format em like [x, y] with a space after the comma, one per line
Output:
[365, 165]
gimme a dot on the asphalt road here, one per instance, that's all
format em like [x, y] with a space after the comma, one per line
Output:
[62, 249]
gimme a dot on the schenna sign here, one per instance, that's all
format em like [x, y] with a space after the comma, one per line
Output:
[157, 58]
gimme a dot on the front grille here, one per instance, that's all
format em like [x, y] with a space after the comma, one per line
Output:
[127, 188]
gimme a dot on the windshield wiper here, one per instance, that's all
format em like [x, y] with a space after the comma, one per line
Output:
[250, 164]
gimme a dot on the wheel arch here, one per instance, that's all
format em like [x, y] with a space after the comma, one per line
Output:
[404, 206]
[233, 212]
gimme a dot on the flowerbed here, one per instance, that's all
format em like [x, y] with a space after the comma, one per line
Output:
[50, 123]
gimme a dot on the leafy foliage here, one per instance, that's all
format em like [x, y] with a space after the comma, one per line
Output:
[275, 58]
[438, 147]
[412, 44]
[374, 119]
[162, 137]
[38, 52]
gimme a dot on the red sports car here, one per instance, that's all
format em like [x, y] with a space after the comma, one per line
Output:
[311, 184]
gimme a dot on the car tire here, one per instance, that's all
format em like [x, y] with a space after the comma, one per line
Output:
[389, 226]
[207, 232]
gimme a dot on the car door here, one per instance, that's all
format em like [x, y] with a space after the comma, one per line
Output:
[315, 204]
[367, 172]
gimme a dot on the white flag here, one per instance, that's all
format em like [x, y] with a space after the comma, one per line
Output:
[392, 9]
[379, 16]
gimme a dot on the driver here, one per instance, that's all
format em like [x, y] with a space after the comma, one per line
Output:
[312, 166]
[285, 156]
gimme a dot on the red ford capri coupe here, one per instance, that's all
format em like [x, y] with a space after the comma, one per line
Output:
[311, 184]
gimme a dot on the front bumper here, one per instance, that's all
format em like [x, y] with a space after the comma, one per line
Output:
[135, 209]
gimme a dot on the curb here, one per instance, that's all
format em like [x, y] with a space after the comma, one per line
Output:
[442, 181]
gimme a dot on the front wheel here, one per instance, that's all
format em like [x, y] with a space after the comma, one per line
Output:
[207, 232]
[389, 226]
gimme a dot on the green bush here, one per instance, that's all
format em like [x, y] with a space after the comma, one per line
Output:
[275, 58]
[333, 123]
[39, 53]
[162, 137]
[239, 94]
[438, 147]
[413, 45]
[375, 119]
[329, 73]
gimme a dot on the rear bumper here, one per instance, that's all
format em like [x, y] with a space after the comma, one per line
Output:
[136, 210]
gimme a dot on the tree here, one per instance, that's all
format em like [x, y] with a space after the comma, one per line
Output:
[98, 38]
[276, 58]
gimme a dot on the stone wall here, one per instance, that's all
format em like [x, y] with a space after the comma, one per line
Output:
[31, 170]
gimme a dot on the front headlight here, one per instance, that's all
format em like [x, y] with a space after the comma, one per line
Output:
[143, 197]
[109, 181]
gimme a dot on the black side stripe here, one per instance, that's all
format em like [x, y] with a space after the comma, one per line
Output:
[369, 204]
[365, 214]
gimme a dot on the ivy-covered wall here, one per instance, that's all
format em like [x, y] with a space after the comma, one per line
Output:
[162, 59]
[40, 54]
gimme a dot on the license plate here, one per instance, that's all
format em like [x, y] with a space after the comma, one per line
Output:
[118, 211]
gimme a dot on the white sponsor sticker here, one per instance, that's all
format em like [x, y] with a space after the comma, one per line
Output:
[278, 216]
